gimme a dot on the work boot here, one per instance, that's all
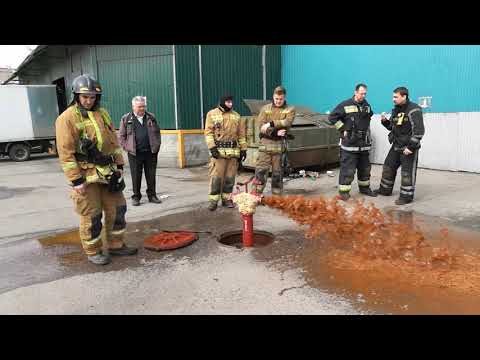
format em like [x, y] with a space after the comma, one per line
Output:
[379, 192]
[368, 192]
[135, 202]
[212, 205]
[99, 259]
[123, 251]
[403, 201]
[344, 196]
[154, 199]
[277, 192]
[228, 203]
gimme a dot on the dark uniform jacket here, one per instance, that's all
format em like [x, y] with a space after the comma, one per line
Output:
[354, 118]
[406, 126]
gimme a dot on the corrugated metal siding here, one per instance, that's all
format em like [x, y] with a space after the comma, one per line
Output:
[47, 66]
[125, 52]
[126, 71]
[79, 61]
[320, 76]
[60, 61]
[460, 153]
[129, 70]
[468, 158]
[274, 68]
[188, 87]
[235, 69]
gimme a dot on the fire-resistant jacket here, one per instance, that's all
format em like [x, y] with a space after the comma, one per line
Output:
[406, 126]
[279, 118]
[226, 131]
[71, 127]
[354, 118]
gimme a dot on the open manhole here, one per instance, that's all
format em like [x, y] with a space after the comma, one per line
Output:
[234, 238]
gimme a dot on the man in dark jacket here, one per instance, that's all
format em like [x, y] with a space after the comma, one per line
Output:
[406, 130]
[139, 135]
[352, 118]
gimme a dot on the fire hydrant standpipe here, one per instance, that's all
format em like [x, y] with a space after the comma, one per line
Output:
[247, 238]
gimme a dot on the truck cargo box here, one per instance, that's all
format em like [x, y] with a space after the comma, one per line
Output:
[27, 112]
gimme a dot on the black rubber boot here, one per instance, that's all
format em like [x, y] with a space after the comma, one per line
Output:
[135, 202]
[380, 192]
[228, 203]
[344, 196]
[99, 259]
[368, 192]
[212, 205]
[124, 251]
[403, 201]
[277, 192]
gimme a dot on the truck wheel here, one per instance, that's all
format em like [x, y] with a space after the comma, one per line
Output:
[19, 152]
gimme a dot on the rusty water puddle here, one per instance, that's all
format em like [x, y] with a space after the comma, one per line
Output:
[375, 287]
[47, 258]
[199, 221]
[381, 287]
[440, 275]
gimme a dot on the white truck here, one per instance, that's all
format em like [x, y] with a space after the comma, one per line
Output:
[27, 120]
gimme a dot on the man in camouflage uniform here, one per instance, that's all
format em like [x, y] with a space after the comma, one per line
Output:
[93, 164]
[274, 120]
[225, 136]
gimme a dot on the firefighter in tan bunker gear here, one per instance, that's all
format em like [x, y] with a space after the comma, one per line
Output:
[274, 120]
[225, 137]
[93, 164]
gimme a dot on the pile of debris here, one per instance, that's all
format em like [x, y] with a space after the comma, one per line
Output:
[312, 175]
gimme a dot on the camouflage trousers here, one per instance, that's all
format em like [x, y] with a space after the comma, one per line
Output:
[222, 174]
[265, 160]
[91, 206]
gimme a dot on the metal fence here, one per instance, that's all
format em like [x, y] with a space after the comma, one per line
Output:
[451, 142]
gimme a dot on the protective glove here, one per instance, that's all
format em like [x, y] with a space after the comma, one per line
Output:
[116, 182]
[214, 152]
[243, 155]
[80, 189]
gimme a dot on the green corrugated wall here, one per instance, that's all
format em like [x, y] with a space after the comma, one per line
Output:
[273, 60]
[235, 69]
[225, 68]
[188, 86]
[126, 71]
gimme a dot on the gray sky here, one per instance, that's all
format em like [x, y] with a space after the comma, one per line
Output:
[13, 55]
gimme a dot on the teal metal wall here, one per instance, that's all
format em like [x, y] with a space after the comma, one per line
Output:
[321, 76]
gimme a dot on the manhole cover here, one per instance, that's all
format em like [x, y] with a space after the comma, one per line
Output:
[234, 238]
[169, 240]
